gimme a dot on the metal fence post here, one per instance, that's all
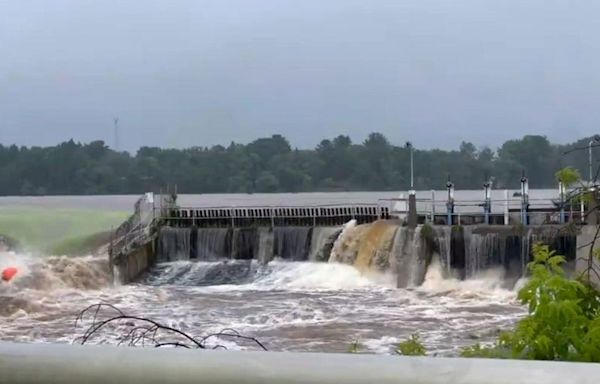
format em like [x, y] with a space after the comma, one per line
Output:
[432, 206]
[506, 208]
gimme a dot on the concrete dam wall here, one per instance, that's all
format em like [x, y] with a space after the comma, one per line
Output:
[259, 243]
[382, 246]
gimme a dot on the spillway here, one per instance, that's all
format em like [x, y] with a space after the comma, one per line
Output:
[382, 246]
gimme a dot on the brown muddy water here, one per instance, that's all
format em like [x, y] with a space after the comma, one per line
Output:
[288, 306]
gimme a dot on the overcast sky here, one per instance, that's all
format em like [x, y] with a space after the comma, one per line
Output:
[183, 73]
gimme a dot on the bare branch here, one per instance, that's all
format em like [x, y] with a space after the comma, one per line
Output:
[140, 330]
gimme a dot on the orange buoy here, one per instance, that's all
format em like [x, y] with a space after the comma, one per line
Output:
[9, 273]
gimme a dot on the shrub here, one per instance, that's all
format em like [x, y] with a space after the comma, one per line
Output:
[563, 321]
[411, 347]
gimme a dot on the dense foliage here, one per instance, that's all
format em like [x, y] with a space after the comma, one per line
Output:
[563, 321]
[272, 165]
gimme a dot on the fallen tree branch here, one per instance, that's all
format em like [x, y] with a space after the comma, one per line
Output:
[140, 331]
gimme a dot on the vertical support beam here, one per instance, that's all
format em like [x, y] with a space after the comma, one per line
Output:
[506, 208]
[272, 217]
[524, 200]
[487, 204]
[581, 209]
[561, 193]
[592, 214]
[450, 202]
[412, 210]
[432, 206]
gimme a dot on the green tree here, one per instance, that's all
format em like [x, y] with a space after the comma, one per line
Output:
[569, 176]
[270, 164]
[267, 182]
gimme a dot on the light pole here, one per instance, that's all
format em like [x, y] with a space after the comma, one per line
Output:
[412, 165]
[524, 199]
[487, 205]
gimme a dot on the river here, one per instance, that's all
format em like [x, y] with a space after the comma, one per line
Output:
[295, 306]
[288, 306]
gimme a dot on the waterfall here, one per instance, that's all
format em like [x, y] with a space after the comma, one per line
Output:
[526, 250]
[213, 243]
[411, 257]
[492, 247]
[463, 252]
[483, 251]
[375, 246]
[292, 243]
[443, 237]
[244, 244]
[322, 242]
[174, 244]
[345, 247]
[265, 245]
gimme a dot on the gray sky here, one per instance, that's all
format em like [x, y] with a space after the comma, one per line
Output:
[183, 73]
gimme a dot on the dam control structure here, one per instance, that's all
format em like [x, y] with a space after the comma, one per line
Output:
[404, 235]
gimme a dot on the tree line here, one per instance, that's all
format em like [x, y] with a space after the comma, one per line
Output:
[272, 165]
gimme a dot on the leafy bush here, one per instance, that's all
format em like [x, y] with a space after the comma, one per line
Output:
[411, 347]
[563, 321]
[354, 347]
[496, 351]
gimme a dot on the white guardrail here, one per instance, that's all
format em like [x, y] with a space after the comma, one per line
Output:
[53, 363]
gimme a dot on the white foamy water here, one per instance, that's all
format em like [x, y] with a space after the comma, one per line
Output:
[298, 306]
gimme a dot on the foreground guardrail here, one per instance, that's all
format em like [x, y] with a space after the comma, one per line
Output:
[52, 363]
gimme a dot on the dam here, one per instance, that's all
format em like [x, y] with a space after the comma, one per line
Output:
[294, 285]
[401, 236]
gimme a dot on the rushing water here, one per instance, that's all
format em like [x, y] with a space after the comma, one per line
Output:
[299, 306]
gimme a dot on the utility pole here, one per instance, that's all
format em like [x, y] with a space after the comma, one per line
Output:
[412, 194]
[116, 124]
[412, 165]
[450, 202]
[524, 199]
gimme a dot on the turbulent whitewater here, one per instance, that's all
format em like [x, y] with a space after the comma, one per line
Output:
[288, 305]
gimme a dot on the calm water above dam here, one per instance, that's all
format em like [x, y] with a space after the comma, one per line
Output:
[125, 202]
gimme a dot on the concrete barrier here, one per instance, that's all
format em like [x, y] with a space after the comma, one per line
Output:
[129, 265]
[52, 363]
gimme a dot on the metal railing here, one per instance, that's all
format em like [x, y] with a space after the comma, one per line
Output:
[272, 215]
[503, 211]
[136, 236]
[53, 363]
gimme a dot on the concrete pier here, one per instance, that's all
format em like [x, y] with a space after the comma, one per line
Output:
[128, 266]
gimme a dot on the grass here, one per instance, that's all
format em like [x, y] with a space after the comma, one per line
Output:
[60, 231]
